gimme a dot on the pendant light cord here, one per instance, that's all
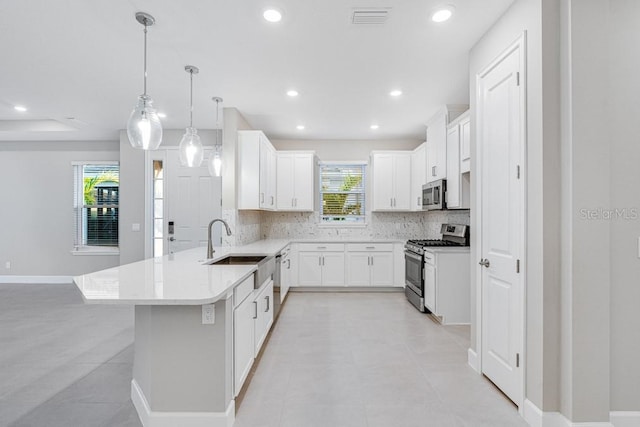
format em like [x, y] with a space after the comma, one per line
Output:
[191, 100]
[217, 123]
[145, 59]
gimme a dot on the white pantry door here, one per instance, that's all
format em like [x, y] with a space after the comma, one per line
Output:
[192, 200]
[500, 150]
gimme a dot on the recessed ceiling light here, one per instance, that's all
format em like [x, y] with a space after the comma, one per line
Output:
[374, 127]
[300, 127]
[395, 92]
[272, 15]
[292, 93]
[162, 115]
[442, 14]
[20, 108]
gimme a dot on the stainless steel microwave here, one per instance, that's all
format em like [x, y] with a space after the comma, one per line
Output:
[433, 195]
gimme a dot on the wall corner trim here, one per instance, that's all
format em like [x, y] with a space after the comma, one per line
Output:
[150, 418]
[37, 280]
[472, 360]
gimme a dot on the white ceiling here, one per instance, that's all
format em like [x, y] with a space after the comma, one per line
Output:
[82, 59]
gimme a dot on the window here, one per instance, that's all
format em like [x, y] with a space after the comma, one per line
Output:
[95, 205]
[342, 193]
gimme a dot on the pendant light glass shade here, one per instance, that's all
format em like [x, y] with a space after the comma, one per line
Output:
[191, 151]
[144, 128]
[215, 163]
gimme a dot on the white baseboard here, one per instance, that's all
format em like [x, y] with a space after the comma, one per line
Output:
[537, 418]
[150, 418]
[472, 360]
[625, 418]
[38, 280]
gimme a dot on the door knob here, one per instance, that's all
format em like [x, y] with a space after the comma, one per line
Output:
[171, 239]
[485, 263]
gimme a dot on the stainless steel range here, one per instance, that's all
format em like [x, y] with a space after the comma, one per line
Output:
[452, 235]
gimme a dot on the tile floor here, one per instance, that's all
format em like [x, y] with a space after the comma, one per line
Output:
[337, 360]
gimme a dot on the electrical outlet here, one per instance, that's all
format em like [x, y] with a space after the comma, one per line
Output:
[7, 265]
[208, 314]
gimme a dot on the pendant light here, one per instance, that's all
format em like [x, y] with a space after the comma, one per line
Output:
[215, 159]
[144, 128]
[191, 151]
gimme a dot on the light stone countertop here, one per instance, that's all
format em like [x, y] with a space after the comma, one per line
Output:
[183, 278]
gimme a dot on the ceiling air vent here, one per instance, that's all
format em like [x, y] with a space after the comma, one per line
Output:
[370, 16]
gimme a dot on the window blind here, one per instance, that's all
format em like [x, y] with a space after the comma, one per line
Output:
[342, 193]
[96, 204]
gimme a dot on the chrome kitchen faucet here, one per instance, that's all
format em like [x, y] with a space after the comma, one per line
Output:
[210, 250]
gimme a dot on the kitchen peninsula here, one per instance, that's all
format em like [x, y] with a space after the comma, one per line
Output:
[183, 372]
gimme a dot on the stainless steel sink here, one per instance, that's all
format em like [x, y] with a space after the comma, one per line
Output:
[239, 259]
[266, 265]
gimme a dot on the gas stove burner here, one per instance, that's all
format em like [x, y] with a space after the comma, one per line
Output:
[434, 242]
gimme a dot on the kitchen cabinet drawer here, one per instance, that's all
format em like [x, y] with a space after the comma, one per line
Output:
[429, 257]
[370, 247]
[243, 290]
[320, 247]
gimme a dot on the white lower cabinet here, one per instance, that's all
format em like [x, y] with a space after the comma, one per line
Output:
[252, 319]
[243, 341]
[430, 283]
[264, 314]
[321, 264]
[446, 285]
[370, 264]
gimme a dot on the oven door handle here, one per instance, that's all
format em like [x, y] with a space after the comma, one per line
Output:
[413, 256]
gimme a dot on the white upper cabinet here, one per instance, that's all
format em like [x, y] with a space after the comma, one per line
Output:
[458, 185]
[437, 141]
[418, 175]
[465, 143]
[391, 180]
[256, 171]
[295, 180]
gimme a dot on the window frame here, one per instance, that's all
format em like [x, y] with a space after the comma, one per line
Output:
[363, 219]
[78, 211]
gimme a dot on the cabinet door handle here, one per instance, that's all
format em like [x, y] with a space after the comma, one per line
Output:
[271, 200]
[370, 247]
[255, 309]
[433, 171]
[323, 260]
[295, 202]
[418, 202]
[261, 197]
[268, 305]
[288, 264]
[371, 260]
[322, 247]
[319, 260]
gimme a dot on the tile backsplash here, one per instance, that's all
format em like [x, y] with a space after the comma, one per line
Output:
[245, 227]
[380, 225]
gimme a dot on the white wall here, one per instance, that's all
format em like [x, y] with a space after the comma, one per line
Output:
[585, 245]
[624, 109]
[37, 208]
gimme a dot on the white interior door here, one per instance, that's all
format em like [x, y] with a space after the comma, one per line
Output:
[192, 199]
[500, 150]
